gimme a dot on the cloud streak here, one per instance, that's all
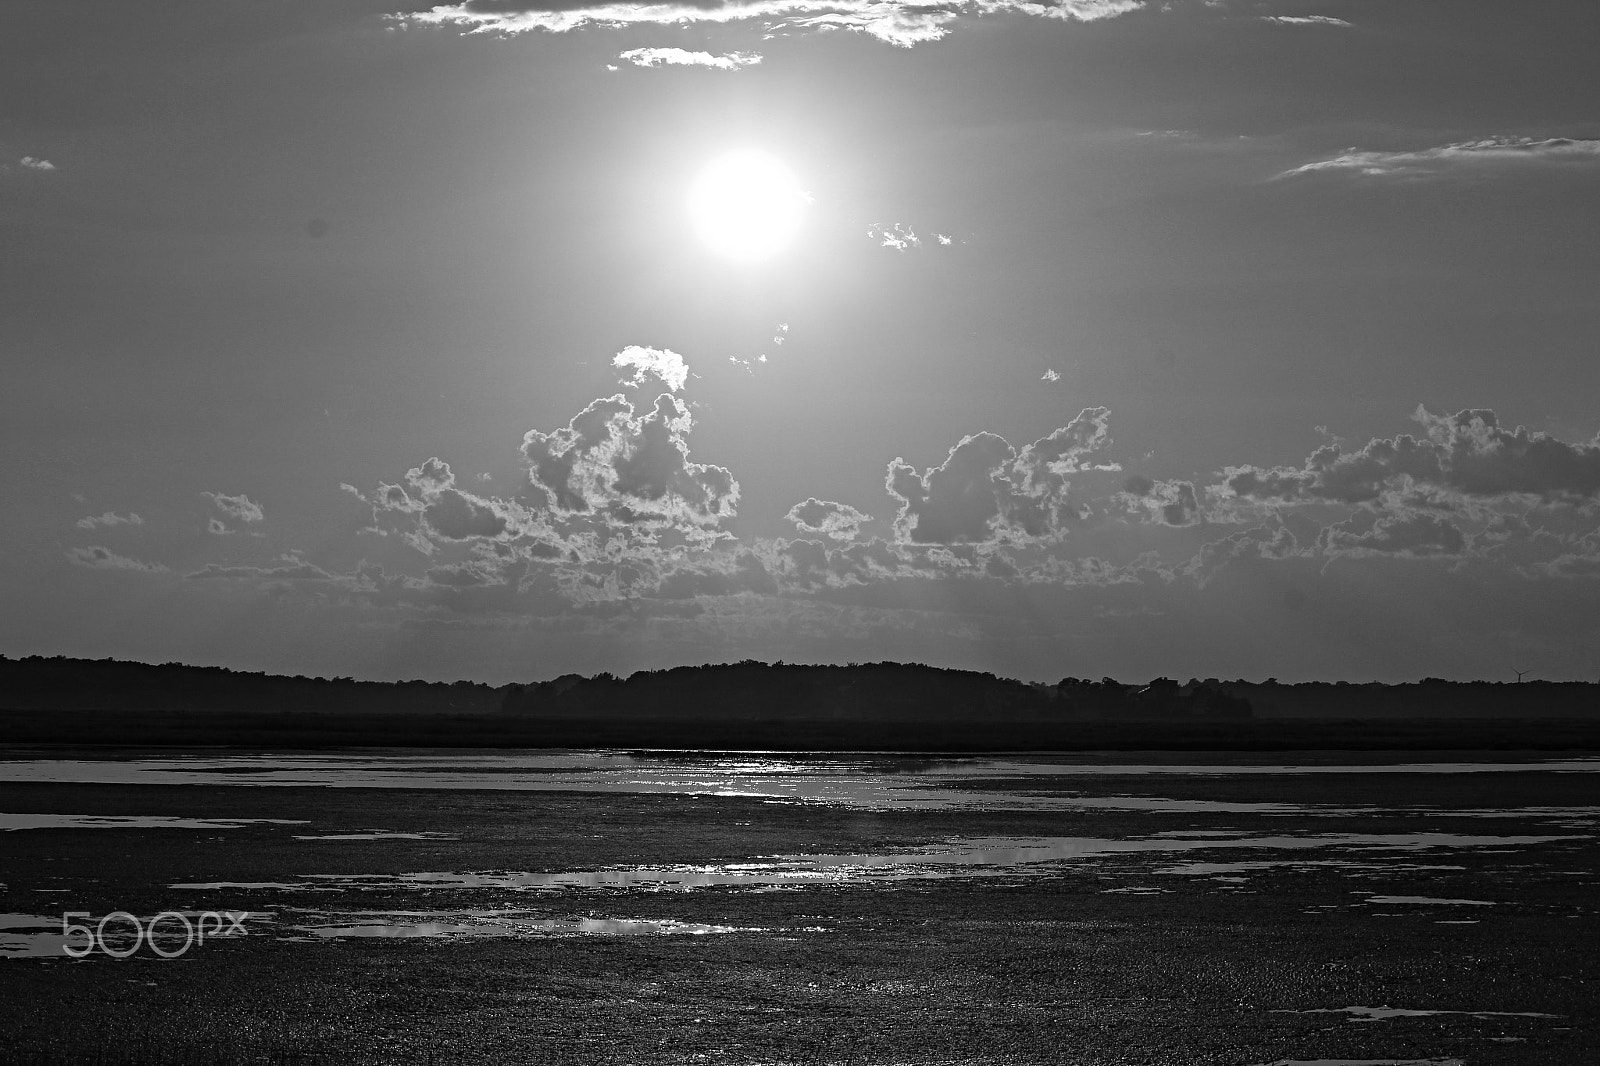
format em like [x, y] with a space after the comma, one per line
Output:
[1306, 20]
[108, 519]
[1462, 157]
[99, 558]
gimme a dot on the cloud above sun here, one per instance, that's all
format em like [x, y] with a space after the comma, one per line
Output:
[679, 57]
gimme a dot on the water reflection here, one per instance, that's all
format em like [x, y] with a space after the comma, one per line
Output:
[34, 936]
[1431, 900]
[468, 924]
[861, 781]
[964, 857]
[130, 821]
[1378, 1014]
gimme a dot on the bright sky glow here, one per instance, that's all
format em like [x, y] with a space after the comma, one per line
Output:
[747, 206]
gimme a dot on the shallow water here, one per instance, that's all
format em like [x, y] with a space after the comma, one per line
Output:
[42, 938]
[1378, 1014]
[877, 782]
[130, 821]
[1431, 900]
[962, 857]
[456, 925]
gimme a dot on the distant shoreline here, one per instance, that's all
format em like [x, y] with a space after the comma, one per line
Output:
[877, 707]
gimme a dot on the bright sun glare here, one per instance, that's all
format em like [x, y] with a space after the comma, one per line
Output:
[746, 206]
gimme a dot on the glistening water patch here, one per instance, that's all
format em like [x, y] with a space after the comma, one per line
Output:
[876, 782]
[471, 924]
[130, 821]
[962, 857]
[1379, 1014]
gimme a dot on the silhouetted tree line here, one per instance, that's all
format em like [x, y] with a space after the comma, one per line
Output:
[60, 683]
[888, 705]
[859, 692]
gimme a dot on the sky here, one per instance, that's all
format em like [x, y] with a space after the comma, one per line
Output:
[1129, 338]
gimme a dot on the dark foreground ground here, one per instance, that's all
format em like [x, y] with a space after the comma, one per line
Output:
[1102, 960]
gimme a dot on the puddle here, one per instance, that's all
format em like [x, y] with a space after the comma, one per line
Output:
[968, 857]
[469, 924]
[1378, 1014]
[130, 821]
[1431, 900]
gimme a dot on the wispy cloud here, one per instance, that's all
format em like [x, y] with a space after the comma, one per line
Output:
[898, 22]
[1306, 20]
[109, 518]
[234, 513]
[98, 558]
[1426, 162]
[679, 57]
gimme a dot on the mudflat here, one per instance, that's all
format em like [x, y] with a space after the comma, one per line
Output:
[417, 906]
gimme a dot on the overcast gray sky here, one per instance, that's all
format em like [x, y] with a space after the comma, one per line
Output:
[1230, 338]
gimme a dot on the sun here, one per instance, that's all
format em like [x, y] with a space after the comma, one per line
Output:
[747, 206]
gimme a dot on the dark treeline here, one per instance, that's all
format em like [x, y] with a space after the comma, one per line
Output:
[878, 706]
[860, 692]
[60, 683]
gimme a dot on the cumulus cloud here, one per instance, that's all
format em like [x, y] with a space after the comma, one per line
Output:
[1416, 533]
[109, 518]
[442, 511]
[630, 469]
[1170, 502]
[1456, 158]
[1274, 542]
[663, 364]
[986, 491]
[1050, 375]
[1466, 454]
[678, 57]
[235, 513]
[98, 558]
[35, 163]
[836, 521]
[902, 23]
